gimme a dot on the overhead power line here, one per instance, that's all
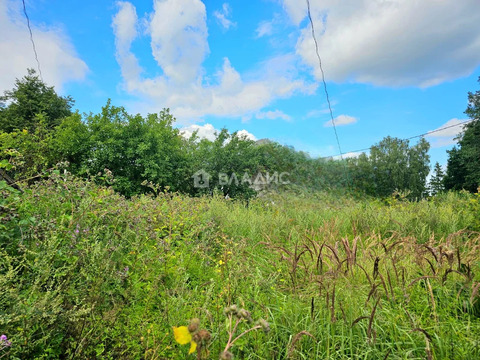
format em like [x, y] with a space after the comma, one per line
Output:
[409, 138]
[31, 39]
[323, 77]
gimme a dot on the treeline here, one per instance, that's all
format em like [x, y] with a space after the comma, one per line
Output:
[39, 130]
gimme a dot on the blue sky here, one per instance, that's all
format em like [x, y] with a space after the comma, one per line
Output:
[398, 67]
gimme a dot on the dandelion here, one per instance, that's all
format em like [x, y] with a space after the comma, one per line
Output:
[198, 339]
[183, 337]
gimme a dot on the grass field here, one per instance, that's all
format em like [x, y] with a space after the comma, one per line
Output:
[86, 273]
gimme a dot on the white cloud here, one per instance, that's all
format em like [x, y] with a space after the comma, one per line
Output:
[446, 137]
[222, 16]
[179, 44]
[391, 43]
[348, 155]
[272, 115]
[178, 33]
[207, 131]
[341, 120]
[265, 28]
[59, 62]
[124, 26]
[246, 135]
[297, 10]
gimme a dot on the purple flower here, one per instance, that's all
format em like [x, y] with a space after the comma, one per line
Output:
[4, 341]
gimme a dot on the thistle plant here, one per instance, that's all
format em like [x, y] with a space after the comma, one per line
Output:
[236, 316]
[199, 339]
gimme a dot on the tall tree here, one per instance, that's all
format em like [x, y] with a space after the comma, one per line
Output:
[393, 165]
[463, 167]
[30, 97]
[436, 182]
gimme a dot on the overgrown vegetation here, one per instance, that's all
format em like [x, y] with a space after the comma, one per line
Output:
[87, 273]
[109, 251]
[39, 130]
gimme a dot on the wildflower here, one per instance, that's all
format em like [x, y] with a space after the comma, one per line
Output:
[4, 341]
[183, 337]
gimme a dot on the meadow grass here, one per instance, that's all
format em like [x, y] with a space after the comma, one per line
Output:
[86, 273]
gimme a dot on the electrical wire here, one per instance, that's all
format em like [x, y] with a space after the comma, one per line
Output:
[409, 138]
[31, 39]
[323, 77]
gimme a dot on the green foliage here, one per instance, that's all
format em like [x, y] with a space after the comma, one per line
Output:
[392, 165]
[145, 153]
[463, 168]
[134, 148]
[29, 98]
[87, 273]
[28, 154]
[437, 181]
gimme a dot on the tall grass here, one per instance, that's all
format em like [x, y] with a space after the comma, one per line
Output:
[86, 273]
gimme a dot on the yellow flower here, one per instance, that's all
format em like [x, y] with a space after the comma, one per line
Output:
[193, 347]
[183, 336]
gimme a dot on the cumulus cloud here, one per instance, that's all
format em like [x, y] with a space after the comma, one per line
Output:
[58, 59]
[222, 16]
[341, 120]
[391, 43]
[273, 115]
[207, 131]
[244, 134]
[445, 134]
[178, 32]
[179, 44]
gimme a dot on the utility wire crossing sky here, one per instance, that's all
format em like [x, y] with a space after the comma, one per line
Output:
[393, 68]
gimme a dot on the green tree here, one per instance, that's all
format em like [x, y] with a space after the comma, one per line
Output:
[71, 141]
[231, 155]
[30, 97]
[436, 182]
[134, 148]
[393, 165]
[463, 167]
